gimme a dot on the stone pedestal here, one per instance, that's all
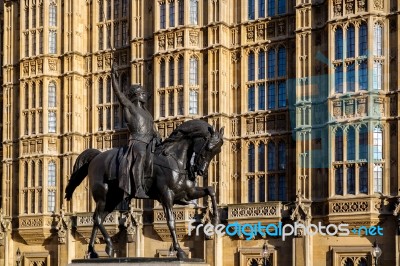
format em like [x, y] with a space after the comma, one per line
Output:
[139, 262]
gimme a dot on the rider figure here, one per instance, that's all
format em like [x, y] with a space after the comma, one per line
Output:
[142, 135]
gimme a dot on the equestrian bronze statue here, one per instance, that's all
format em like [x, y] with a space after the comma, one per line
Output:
[168, 171]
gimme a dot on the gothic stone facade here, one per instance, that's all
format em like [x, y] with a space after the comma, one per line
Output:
[307, 92]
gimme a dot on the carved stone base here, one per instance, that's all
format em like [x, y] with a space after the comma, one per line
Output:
[139, 262]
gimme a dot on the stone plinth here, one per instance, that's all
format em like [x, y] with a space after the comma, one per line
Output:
[138, 262]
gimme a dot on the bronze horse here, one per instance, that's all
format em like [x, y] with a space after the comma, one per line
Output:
[176, 163]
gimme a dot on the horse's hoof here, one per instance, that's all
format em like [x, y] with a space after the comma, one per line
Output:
[93, 255]
[181, 255]
[110, 251]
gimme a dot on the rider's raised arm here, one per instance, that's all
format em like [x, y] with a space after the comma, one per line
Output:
[120, 95]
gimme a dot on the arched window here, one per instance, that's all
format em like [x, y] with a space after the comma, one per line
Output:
[261, 96]
[181, 10]
[40, 174]
[351, 180]
[363, 76]
[172, 14]
[378, 30]
[348, 262]
[33, 175]
[271, 156]
[271, 96]
[162, 15]
[271, 63]
[362, 262]
[193, 11]
[40, 94]
[26, 96]
[363, 176]
[282, 156]
[171, 72]
[193, 102]
[251, 66]
[339, 180]
[251, 99]
[351, 77]
[53, 15]
[339, 145]
[351, 144]
[116, 9]
[108, 95]
[339, 79]
[180, 71]
[100, 100]
[251, 158]
[52, 42]
[271, 8]
[282, 94]
[51, 184]
[261, 65]
[171, 104]
[193, 71]
[52, 98]
[351, 41]
[261, 157]
[52, 122]
[377, 76]
[281, 62]
[162, 104]
[378, 175]
[378, 144]
[363, 40]
[251, 9]
[261, 8]
[162, 73]
[281, 6]
[363, 143]
[339, 44]
[251, 189]
[26, 174]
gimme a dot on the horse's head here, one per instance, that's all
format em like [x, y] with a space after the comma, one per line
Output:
[206, 149]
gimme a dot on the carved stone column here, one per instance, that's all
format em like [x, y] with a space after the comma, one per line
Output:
[134, 225]
[5, 230]
[65, 248]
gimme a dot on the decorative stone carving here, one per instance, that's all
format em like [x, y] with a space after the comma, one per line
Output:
[235, 56]
[337, 8]
[349, 108]
[362, 5]
[337, 109]
[179, 39]
[132, 221]
[161, 42]
[378, 4]
[260, 124]
[250, 34]
[33, 67]
[193, 38]
[361, 106]
[378, 106]
[349, 207]
[40, 66]
[53, 64]
[349, 6]
[63, 226]
[282, 27]
[259, 210]
[170, 40]
[260, 31]
[34, 229]
[271, 30]
[250, 126]
[4, 227]
[107, 60]
[25, 68]
[100, 61]
[84, 224]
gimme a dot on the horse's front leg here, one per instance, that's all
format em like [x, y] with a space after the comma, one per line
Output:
[200, 192]
[171, 225]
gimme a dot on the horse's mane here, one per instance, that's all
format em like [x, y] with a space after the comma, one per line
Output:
[188, 130]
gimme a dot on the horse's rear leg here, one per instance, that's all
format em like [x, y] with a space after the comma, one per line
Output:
[171, 225]
[100, 196]
[200, 192]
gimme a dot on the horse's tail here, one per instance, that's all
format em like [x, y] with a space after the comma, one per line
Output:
[80, 171]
